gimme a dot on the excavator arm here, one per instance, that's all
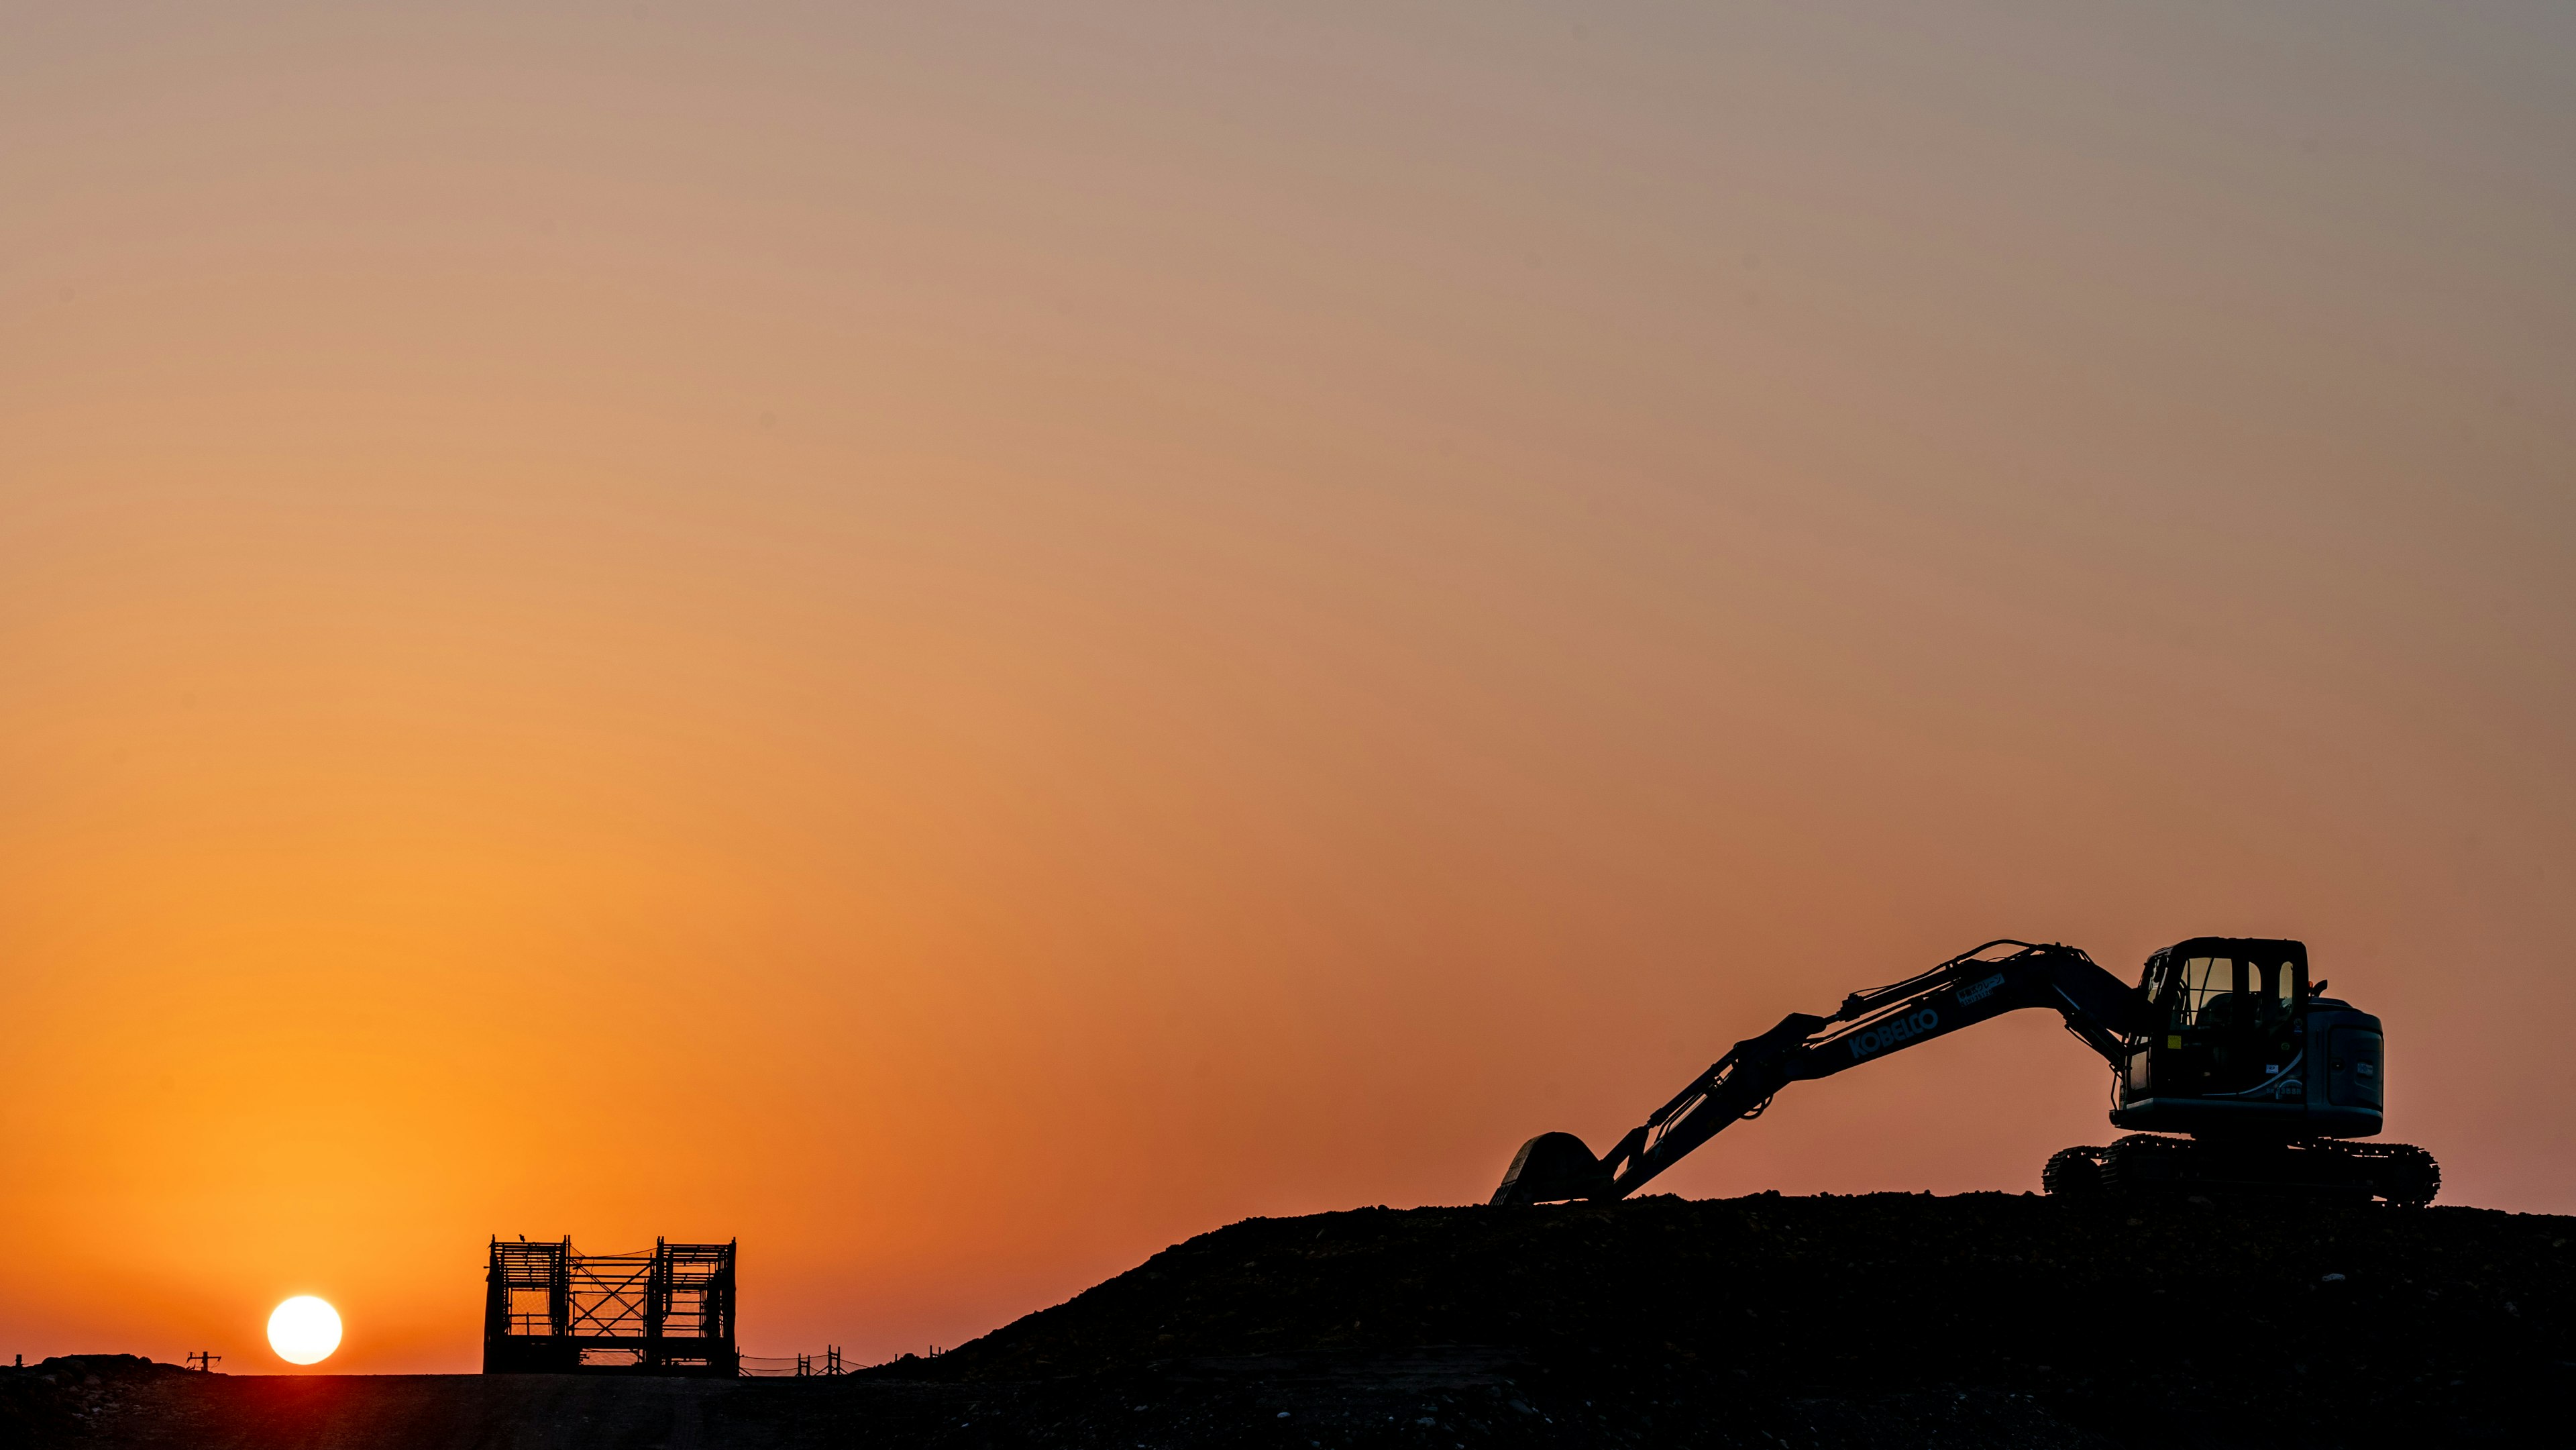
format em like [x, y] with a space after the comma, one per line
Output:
[1967, 989]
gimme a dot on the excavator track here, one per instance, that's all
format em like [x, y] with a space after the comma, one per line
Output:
[2073, 1173]
[2150, 1166]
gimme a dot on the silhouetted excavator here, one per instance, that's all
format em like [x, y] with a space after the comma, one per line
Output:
[2223, 1039]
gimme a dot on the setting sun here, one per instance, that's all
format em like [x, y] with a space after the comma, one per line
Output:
[304, 1330]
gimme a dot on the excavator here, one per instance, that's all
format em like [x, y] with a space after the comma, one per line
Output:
[2233, 1074]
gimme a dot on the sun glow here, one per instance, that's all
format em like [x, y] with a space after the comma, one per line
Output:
[304, 1330]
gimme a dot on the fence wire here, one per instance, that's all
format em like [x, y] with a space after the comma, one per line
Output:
[804, 1366]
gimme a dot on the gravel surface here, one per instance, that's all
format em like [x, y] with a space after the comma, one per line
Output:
[1882, 1320]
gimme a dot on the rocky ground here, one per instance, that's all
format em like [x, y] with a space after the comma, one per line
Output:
[1886, 1320]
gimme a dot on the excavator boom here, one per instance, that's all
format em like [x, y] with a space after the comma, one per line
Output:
[1967, 989]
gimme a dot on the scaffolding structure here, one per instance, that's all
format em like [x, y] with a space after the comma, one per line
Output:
[548, 1310]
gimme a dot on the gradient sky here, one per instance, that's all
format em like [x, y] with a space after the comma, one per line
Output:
[965, 640]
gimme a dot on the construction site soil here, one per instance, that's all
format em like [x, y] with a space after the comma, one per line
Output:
[1884, 1320]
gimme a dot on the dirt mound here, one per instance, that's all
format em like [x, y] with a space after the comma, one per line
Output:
[71, 1393]
[2228, 1325]
[1884, 1320]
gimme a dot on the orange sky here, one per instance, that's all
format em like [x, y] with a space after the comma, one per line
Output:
[965, 643]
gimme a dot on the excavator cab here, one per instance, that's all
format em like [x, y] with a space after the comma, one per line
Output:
[2228, 1016]
[2235, 1050]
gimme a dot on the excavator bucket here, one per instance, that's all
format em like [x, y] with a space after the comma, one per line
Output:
[1553, 1167]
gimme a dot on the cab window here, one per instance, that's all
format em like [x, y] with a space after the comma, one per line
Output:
[2207, 995]
[2275, 987]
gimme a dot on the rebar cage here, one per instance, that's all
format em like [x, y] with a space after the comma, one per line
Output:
[549, 1310]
